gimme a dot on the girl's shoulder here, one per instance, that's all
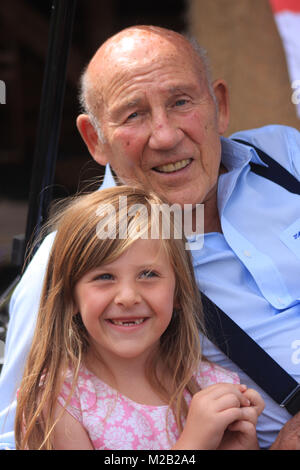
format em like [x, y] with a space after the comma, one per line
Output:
[210, 373]
[81, 396]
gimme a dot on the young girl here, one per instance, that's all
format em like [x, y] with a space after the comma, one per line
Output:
[115, 361]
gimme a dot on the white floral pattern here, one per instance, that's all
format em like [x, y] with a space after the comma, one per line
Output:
[114, 422]
[117, 437]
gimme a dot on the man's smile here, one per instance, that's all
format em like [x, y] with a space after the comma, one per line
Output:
[170, 167]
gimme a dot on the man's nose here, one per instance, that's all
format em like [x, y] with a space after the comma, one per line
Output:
[127, 296]
[165, 134]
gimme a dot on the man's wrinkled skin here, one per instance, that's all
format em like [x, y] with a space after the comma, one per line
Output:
[289, 436]
[155, 109]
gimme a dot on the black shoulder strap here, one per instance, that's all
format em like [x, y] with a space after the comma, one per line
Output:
[274, 171]
[250, 357]
[239, 346]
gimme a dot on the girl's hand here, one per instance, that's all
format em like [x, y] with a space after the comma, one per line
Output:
[211, 411]
[241, 435]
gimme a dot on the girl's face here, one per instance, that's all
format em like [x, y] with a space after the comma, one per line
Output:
[127, 305]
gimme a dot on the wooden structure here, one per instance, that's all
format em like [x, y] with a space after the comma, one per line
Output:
[245, 49]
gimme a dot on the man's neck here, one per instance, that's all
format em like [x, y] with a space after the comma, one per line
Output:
[211, 218]
[212, 221]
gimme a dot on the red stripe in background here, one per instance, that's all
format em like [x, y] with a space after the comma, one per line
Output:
[281, 5]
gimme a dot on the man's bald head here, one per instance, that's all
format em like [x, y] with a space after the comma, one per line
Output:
[123, 47]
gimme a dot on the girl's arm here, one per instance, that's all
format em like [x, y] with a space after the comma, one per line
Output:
[211, 411]
[69, 434]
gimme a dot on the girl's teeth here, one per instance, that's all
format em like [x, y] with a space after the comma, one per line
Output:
[173, 166]
[133, 322]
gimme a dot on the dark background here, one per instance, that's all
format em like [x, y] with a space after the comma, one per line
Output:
[24, 34]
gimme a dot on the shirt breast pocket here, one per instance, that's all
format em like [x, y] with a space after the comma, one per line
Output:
[291, 238]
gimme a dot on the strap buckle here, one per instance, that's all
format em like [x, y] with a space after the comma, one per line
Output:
[292, 401]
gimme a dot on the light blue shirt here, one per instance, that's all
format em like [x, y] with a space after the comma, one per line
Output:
[251, 271]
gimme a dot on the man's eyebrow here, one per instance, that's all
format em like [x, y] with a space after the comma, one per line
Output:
[124, 106]
[182, 88]
[128, 104]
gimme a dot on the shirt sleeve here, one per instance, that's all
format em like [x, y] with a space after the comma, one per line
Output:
[23, 313]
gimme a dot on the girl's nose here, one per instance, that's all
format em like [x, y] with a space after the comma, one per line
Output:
[127, 296]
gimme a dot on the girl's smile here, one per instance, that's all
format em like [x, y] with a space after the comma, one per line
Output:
[127, 322]
[127, 305]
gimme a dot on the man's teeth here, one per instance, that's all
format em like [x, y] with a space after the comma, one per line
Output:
[169, 167]
[128, 323]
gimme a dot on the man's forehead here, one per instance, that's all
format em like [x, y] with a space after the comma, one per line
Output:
[143, 85]
[139, 45]
[139, 50]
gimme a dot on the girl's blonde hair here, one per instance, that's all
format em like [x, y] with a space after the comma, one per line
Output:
[85, 238]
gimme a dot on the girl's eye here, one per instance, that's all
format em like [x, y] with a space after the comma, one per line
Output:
[104, 277]
[148, 274]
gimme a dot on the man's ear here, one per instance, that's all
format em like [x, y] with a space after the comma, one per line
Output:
[222, 96]
[91, 139]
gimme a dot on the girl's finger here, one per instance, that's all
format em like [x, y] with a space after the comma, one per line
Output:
[255, 399]
[243, 426]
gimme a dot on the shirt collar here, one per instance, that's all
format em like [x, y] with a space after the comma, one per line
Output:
[236, 155]
[108, 181]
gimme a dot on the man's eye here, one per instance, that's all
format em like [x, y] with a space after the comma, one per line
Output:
[132, 116]
[180, 102]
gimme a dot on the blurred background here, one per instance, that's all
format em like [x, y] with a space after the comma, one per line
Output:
[244, 43]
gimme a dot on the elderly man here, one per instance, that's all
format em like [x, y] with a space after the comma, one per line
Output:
[153, 115]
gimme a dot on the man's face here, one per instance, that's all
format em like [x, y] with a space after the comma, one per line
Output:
[160, 122]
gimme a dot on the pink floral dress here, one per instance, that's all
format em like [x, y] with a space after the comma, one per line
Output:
[114, 422]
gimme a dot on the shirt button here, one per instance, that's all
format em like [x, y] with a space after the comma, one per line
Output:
[247, 253]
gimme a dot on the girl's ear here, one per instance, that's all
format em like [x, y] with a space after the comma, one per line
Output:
[175, 313]
[76, 312]
[176, 305]
[91, 139]
[74, 306]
